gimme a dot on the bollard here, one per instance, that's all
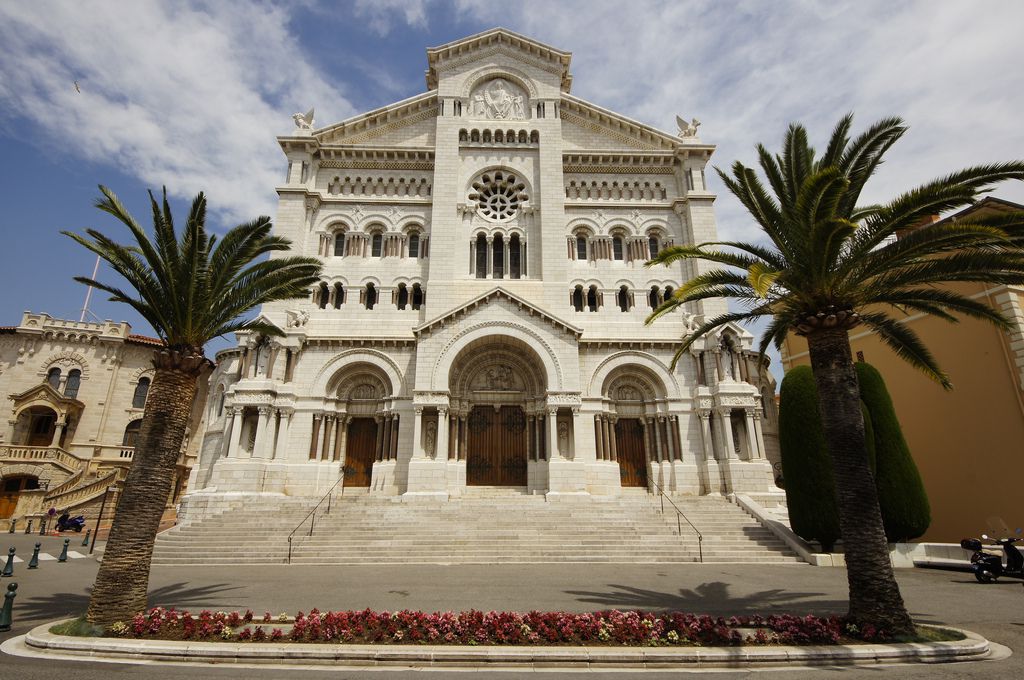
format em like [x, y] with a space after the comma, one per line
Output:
[9, 567]
[8, 607]
[42, 527]
[64, 553]
[85, 543]
[13, 523]
[34, 562]
[28, 527]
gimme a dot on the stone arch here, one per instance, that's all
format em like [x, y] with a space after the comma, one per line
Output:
[485, 73]
[66, 360]
[338, 364]
[476, 361]
[439, 379]
[619, 228]
[20, 470]
[637, 361]
[581, 225]
[521, 176]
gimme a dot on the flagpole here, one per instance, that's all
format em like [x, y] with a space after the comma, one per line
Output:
[88, 293]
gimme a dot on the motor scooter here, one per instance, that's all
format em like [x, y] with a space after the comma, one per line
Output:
[66, 523]
[987, 566]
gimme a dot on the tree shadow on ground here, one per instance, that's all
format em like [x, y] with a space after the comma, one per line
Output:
[714, 598]
[60, 605]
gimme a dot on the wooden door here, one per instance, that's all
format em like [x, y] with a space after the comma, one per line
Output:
[41, 428]
[12, 488]
[629, 444]
[496, 451]
[360, 451]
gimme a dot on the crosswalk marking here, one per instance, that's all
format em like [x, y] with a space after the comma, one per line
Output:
[75, 555]
[47, 557]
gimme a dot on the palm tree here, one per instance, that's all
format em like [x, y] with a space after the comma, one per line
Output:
[191, 291]
[829, 264]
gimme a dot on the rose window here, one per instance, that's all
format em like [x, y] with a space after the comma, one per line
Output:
[498, 195]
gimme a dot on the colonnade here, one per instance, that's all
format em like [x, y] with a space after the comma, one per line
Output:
[661, 436]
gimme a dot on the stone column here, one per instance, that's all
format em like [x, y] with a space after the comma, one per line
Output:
[315, 436]
[718, 365]
[281, 451]
[272, 359]
[326, 444]
[472, 257]
[676, 438]
[490, 258]
[453, 436]
[441, 445]
[385, 442]
[417, 432]
[339, 438]
[657, 440]
[236, 432]
[759, 435]
[725, 417]
[261, 449]
[507, 252]
[397, 419]
[58, 430]
[646, 430]
[705, 432]
[464, 439]
[600, 438]
[611, 438]
[553, 434]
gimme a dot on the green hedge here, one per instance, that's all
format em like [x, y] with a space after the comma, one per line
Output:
[806, 466]
[901, 495]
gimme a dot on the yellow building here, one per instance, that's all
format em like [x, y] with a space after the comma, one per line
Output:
[968, 443]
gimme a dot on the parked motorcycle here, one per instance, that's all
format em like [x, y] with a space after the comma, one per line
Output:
[987, 566]
[68, 523]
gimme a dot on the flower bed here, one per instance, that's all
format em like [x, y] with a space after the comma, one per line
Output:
[629, 628]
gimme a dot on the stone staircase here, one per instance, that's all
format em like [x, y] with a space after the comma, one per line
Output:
[498, 529]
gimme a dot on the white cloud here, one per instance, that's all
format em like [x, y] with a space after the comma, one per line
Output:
[382, 15]
[188, 94]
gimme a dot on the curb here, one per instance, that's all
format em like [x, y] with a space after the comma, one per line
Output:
[44, 643]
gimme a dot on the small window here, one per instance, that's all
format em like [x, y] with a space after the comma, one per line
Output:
[131, 433]
[592, 299]
[325, 294]
[220, 403]
[617, 248]
[403, 296]
[339, 244]
[141, 392]
[498, 246]
[623, 299]
[377, 245]
[513, 257]
[73, 383]
[668, 292]
[654, 298]
[417, 296]
[577, 298]
[371, 296]
[481, 257]
[581, 247]
[339, 295]
[414, 245]
[653, 246]
[53, 377]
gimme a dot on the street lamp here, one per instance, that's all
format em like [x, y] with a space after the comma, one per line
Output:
[103, 504]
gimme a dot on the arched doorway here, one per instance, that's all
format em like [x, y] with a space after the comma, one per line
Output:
[35, 426]
[497, 408]
[631, 431]
[10, 488]
[362, 428]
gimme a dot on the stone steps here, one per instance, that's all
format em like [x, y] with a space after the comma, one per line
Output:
[505, 529]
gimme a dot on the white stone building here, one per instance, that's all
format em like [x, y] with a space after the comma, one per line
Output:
[481, 317]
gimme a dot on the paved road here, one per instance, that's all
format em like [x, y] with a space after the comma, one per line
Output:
[56, 590]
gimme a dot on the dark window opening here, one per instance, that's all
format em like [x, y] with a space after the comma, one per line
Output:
[617, 248]
[73, 383]
[514, 256]
[417, 296]
[577, 298]
[371, 296]
[377, 245]
[581, 248]
[623, 299]
[339, 244]
[414, 245]
[481, 257]
[141, 392]
[592, 299]
[403, 296]
[499, 257]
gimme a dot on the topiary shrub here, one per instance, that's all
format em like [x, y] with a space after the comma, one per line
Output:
[806, 466]
[901, 495]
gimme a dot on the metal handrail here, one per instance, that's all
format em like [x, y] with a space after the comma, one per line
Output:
[327, 497]
[679, 526]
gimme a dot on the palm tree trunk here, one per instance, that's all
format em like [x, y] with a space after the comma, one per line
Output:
[874, 594]
[123, 578]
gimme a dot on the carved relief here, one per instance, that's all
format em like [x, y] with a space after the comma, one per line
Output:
[498, 99]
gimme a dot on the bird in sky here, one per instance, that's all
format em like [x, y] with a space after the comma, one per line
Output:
[77, 88]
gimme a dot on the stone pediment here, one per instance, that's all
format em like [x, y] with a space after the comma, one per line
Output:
[397, 124]
[494, 295]
[44, 395]
[482, 45]
[581, 120]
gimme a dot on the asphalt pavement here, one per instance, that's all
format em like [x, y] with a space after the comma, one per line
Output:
[57, 590]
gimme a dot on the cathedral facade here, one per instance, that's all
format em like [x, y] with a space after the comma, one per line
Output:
[480, 322]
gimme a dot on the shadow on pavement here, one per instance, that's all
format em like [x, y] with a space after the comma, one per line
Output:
[712, 598]
[60, 605]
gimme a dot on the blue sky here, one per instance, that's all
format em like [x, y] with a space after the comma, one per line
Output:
[192, 94]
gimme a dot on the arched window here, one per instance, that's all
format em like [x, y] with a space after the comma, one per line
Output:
[324, 295]
[403, 296]
[131, 433]
[371, 296]
[339, 295]
[617, 247]
[141, 392]
[653, 246]
[53, 377]
[339, 244]
[414, 245]
[220, 403]
[73, 383]
[592, 298]
[417, 296]
[377, 245]
[481, 257]
[623, 299]
[513, 257]
[581, 247]
[577, 298]
[654, 298]
[668, 292]
[498, 246]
